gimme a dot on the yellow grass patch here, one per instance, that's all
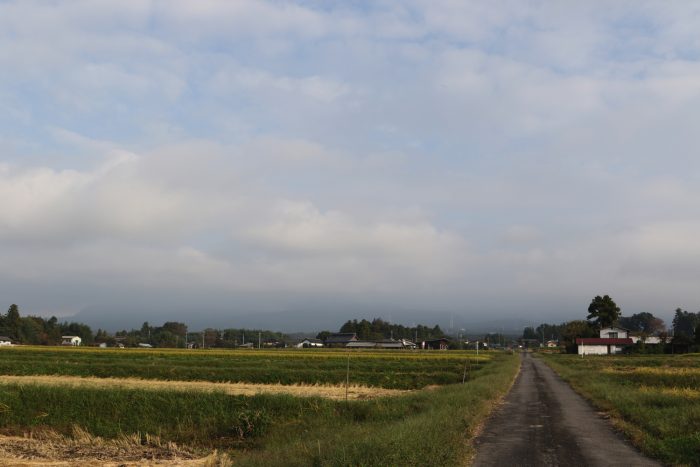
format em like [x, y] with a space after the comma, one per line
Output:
[651, 370]
[238, 389]
[48, 448]
[684, 393]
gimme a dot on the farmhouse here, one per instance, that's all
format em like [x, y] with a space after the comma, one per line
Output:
[340, 339]
[612, 340]
[71, 340]
[5, 340]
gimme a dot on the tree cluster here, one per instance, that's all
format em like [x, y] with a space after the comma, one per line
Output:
[378, 329]
[36, 330]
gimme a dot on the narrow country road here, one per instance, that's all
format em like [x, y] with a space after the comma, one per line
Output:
[543, 422]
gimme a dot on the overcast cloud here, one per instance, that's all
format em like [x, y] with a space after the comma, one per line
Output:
[488, 160]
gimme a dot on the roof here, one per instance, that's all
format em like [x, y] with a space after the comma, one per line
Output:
[603, 341]
[361, 344]
[5, 338]
[315, 341]
[340, 338]
[70, 337]
[615, 327]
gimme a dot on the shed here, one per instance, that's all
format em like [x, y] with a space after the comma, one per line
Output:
[435, 344]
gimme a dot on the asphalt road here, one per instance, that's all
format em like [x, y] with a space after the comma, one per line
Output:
[543, 422]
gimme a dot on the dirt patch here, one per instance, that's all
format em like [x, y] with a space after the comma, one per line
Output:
[245, 389]
[82, 449]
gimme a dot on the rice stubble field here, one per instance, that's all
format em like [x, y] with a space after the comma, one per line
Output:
[254, 407]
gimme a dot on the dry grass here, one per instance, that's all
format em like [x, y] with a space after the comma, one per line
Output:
[49, 448]
[246, 389]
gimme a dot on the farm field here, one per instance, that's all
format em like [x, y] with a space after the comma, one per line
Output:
[413, 408]
[655, 400]
[386, 369]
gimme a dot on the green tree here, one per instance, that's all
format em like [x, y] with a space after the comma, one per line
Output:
[644, 323]
[12, 321]
[573, 329]
[684, 323]
[603, 311]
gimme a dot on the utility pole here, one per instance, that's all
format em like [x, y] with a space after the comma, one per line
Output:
[259, 337]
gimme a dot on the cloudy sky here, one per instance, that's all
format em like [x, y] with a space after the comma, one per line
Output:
[207, 159]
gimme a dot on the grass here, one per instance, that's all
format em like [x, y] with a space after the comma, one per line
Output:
[432, 425]
[387, 369]
[653, 399]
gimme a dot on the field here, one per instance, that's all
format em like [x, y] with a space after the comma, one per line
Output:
[403, 406]
[655, 400]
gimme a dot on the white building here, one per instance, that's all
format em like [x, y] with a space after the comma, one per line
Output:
[307, 343]
[71, 340]
[5, 341]
[612, 340]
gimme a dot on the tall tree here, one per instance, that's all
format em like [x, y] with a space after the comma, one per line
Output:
[603, 311]
[12, 321]
[684, 323]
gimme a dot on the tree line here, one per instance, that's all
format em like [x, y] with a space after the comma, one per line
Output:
[378, 329]
[39, 331]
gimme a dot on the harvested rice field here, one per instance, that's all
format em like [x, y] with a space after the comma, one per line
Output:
[354, 392]
[179, 407]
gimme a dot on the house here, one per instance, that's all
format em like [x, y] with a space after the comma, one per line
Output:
[340, 339]
[435, 344]
[612, 340]
[309, 343]
[71, 340]
[614, 332]
[5, 341]
[552, 344]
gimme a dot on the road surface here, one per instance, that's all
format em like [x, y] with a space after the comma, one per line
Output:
[543, 422]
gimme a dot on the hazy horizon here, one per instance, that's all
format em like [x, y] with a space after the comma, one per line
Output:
[223, 161]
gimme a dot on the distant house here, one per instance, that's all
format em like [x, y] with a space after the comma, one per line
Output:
[247, 345]
[612, 340]
[435, 344]
[71, 340]
[552, 344]
[309, 343]
[5, 341]
[340, 339]
[145, 346]
[382, 344]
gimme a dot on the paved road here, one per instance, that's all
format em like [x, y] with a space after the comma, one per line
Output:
[543, 422]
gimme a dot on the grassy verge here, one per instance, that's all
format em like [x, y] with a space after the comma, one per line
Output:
[429, 426]
[655, 400]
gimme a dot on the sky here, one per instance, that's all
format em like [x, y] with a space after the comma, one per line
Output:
[225, 162]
